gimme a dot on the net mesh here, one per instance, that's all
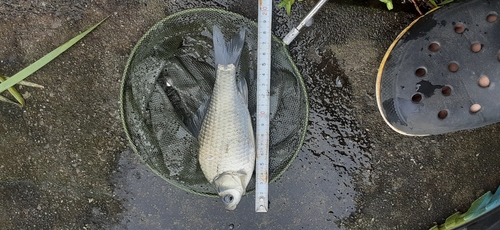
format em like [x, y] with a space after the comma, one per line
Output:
[170, 74]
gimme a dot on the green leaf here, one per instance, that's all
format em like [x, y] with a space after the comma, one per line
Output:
[388, 3]
[445, 2]
[433, 3]
[14, 92]
[26, 83]
[44, 60]
[287, 4]
[4, 99]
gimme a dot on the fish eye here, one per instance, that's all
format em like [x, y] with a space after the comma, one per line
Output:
[228, 198]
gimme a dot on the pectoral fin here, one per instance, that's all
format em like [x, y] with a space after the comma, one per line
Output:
[194, 123]
[243, 89]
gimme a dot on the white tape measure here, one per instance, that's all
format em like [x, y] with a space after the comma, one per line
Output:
[263, 95]
[263, 104]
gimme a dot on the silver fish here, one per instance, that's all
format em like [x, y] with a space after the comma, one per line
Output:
[226, 138]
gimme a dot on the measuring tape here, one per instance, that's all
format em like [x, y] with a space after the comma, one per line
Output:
[263, 97]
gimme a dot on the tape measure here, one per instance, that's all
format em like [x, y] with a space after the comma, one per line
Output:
[263, 105]
[263, 95]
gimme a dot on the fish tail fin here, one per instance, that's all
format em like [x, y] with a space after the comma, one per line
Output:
[227, 53]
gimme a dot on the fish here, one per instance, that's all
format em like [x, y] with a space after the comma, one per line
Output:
[226, 137]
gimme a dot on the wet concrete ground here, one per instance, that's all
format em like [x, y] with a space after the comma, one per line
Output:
[65, 162]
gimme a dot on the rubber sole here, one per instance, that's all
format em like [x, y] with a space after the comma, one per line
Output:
[440, 74]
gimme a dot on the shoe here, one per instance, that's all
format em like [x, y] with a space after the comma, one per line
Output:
[440, 73]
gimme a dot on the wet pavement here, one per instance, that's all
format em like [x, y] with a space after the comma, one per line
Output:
[65, 162]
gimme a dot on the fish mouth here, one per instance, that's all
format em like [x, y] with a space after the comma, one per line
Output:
[228, 199]
[231, 198]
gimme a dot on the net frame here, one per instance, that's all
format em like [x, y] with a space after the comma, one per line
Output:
[281, 156]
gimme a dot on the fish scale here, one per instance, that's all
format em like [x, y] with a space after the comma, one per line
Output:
[223, 129]
[227, 148]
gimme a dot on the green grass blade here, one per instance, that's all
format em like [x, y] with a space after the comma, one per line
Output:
[287, 4]
[27, 83]
[388, 3]
[4, 99]
[14, 93]
[445, 2]
[433, 3]
[21, 75]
